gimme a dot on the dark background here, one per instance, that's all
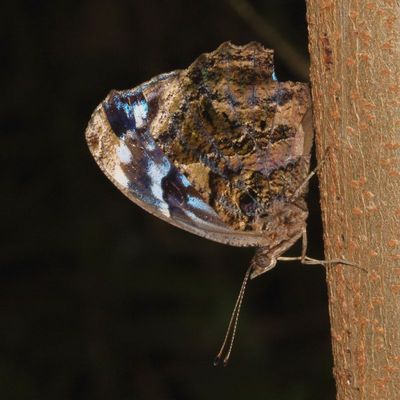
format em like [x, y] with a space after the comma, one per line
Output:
[100, 300]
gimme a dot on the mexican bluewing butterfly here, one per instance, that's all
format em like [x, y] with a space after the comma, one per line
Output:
[221, 149]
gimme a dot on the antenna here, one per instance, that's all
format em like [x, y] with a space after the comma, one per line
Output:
[226, 348]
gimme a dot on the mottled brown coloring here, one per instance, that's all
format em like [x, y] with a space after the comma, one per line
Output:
[243, 141]
[231, 123]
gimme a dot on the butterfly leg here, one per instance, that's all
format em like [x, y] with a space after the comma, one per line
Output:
[304, 259]
[300, 189]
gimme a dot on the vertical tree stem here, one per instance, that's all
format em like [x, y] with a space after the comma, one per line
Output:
[355, 76]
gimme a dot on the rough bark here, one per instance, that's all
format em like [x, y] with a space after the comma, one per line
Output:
[355, 76]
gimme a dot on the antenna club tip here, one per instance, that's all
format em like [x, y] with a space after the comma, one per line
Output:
[217, 362]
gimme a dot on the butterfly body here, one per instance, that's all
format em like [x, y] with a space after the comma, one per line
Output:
[218, 149]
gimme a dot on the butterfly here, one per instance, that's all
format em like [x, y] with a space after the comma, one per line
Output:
[220, 149]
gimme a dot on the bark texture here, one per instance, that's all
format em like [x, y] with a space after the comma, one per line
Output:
[355, 76]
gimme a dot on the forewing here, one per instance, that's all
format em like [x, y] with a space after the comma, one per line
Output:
[121, 142]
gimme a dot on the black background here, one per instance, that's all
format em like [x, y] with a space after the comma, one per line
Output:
[100, 300]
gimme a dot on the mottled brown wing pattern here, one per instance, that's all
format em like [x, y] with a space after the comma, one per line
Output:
[120, 140]
[217, 149]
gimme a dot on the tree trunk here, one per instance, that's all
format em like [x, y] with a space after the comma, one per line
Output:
[355, 76]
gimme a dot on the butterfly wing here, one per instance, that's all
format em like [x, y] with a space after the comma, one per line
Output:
[120, 140]
[217, 149]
